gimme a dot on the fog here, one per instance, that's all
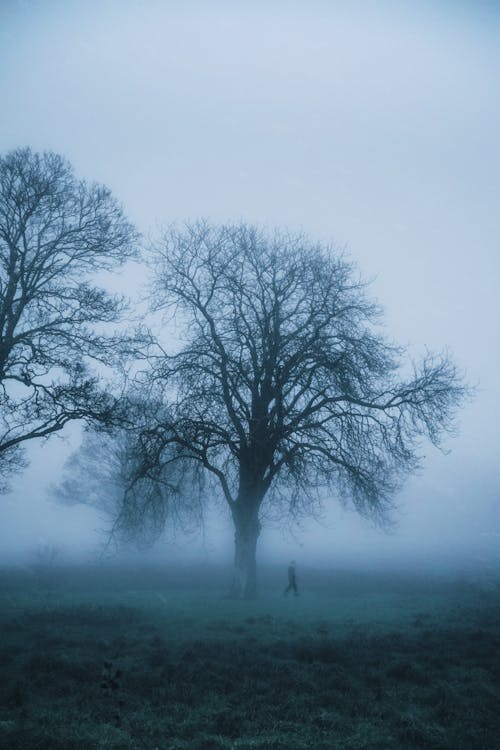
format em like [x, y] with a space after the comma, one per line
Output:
[372, 125]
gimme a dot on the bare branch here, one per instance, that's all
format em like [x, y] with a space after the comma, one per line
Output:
[56, 233]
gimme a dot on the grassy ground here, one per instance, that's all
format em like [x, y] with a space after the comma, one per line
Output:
[102, 658]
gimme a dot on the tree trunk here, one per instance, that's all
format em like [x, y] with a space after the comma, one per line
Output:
[245, 562]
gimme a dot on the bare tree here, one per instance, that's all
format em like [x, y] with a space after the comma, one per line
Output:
[282, 386]
[105, 473]
[56, 234]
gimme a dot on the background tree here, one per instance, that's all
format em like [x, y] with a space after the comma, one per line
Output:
[106, 473]
[281, 387]
[56, 234]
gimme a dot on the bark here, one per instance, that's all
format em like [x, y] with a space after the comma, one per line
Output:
[247, 530]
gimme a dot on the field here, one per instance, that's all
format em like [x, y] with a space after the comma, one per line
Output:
[145, 658]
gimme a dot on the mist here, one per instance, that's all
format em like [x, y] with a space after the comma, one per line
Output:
[370, 126]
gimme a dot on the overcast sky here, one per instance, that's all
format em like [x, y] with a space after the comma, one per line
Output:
[375, 125]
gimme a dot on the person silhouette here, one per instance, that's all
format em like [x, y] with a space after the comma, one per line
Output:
[292, 580]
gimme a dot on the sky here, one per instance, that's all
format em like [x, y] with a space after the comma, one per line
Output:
[372, 125]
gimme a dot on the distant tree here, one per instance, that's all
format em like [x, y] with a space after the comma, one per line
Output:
[56, 234]
[103, 473]
[281, 386]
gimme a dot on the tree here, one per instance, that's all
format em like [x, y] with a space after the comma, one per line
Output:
[56, 234]
[99, 473]
[282, 386]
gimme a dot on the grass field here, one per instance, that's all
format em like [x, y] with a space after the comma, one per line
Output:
[147, 658]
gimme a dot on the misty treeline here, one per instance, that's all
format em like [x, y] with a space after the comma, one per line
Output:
[271, 390]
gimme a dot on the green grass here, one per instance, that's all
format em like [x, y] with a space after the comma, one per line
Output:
[357, 662]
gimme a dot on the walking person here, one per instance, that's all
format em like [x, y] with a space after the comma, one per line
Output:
[292, 580]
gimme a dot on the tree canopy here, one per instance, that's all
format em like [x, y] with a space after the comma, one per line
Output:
[282, 385]
[56, 234]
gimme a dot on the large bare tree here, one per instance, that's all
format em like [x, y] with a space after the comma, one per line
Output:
[56, 234]
[282, 386]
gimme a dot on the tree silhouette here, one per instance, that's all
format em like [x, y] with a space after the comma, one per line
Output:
[56, 234]
[282, 385]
